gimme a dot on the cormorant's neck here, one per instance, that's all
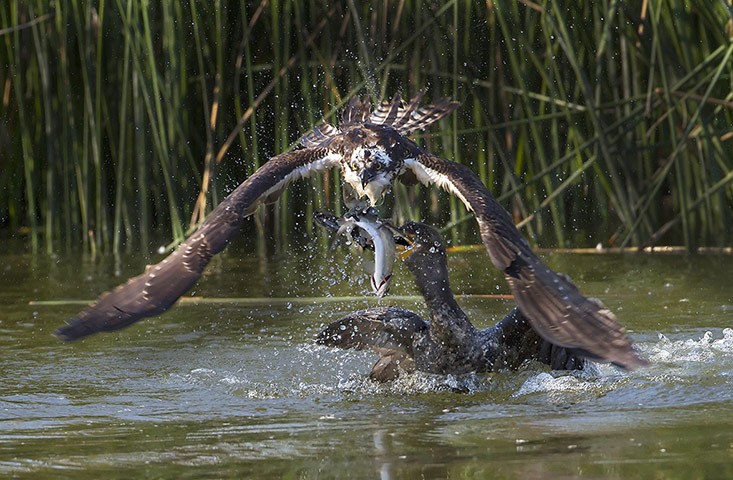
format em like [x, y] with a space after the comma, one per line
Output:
[447, 317]
[434, 286]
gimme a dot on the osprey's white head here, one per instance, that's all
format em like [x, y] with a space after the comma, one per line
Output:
[373, 144]
[370, 172]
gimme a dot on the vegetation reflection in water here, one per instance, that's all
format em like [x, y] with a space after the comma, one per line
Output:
[223, 389]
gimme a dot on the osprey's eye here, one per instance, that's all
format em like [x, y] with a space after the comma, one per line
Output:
[379, 166]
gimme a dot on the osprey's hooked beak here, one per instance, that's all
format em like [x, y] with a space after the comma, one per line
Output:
[374, 183]
[366, 176]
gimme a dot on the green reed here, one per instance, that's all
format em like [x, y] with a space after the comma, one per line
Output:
[126, 122]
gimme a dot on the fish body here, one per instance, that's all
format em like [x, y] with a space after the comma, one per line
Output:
[370, 232]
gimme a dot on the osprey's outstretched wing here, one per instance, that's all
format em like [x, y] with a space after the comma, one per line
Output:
[156, 290]
[551, 302]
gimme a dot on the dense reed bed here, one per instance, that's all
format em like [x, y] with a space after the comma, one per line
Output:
[124, 122]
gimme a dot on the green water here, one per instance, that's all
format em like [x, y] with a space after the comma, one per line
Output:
[233, 390]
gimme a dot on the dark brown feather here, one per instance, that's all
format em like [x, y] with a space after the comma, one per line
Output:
[554, 306]
[387, 112]
[406, 115]
[406, 118]
[156, 290]
[319, 137]
[423, 117]
[356, 112]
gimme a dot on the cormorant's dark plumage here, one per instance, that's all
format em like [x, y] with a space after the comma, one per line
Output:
[448, 343]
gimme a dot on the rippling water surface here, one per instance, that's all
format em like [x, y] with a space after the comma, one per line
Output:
[238, 388]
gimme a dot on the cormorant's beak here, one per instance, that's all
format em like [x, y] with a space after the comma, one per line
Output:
[405, 245]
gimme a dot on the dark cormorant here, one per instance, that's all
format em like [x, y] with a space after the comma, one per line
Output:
[448, 343]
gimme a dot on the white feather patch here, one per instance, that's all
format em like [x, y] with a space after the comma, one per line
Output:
[428, 176]
[329, 161]
[377, 185]
[352, 178]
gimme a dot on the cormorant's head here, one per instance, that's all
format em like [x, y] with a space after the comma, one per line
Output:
[422, 246]
[424, 254]
[370, 171]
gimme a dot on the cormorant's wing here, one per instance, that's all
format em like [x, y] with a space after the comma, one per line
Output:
[156, 290]
[383, 329]
[553, 305]
[389, 331]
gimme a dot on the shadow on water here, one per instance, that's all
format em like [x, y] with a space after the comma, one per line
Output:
[219, 390]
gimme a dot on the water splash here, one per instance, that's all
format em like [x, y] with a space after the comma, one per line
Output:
[704, 349]
[683, 371]
[415, 383]
[560, 386]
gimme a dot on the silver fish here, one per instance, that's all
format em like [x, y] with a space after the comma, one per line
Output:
[368, 231]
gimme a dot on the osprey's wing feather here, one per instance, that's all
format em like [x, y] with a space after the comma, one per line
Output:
[408, 117]
[553, 305]
[387, 112]
[161, 285]
[355, 112]
[519, 342]
[320, 137]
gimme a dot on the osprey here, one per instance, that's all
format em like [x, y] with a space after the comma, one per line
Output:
[372, 151]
